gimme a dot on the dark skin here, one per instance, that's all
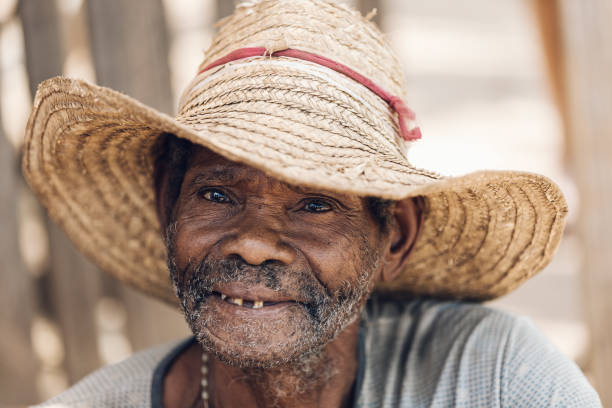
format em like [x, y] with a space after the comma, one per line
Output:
[230, 210]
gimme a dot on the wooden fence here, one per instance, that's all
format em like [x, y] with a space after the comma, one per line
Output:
[67, 318]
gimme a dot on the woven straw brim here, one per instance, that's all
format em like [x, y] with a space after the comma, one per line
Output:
[88, 157]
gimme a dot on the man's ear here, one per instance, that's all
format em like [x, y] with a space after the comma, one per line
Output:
[407, 215]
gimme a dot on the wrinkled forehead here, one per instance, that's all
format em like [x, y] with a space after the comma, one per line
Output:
[205, 166]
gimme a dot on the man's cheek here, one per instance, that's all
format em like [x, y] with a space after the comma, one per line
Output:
[190, 242]
[335, 262]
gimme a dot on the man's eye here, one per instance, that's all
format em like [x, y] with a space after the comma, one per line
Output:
[317, 206]
[216, 196]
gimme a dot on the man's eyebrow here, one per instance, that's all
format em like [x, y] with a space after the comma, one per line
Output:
[298, 189]
[307, 190]
[217, 175]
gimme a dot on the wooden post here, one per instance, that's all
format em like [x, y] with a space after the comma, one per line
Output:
[548, 17]
[587, 29]
[17, 304]
[129, 44]
[72, 283]
[76, 286]
[43, 51]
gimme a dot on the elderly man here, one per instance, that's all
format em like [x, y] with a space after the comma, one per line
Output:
[305, 251]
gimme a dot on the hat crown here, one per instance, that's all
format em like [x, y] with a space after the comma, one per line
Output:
[321, 27]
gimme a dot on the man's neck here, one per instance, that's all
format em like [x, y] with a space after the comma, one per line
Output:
[322, 379]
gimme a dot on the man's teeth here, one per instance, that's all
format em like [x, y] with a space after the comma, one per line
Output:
[236, 301]
[254, 304]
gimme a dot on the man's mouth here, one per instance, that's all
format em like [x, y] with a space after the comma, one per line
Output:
[248, 303]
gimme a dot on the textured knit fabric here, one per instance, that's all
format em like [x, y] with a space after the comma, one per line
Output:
[447, 354]
[125, 384]
[422, 353]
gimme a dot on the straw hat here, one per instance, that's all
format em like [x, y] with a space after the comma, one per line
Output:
[339, 126]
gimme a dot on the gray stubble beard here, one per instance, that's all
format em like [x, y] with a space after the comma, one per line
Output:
[307, 362]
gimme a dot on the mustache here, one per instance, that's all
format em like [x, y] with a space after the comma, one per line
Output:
[297, 283]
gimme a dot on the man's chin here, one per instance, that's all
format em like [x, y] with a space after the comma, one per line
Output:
[261, 351]
[257, 338]
[243, 357]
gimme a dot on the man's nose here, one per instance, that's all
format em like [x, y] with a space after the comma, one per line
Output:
[256, 244]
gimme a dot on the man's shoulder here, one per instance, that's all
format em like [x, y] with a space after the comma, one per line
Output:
[432, 338]
[443, 353]
[439, 324]
[430, 327]
[434, 312]
[127, 383]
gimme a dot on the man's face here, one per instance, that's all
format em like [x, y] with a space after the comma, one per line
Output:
[267, 273]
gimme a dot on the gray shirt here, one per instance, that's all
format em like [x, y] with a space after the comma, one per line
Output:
[422, 353]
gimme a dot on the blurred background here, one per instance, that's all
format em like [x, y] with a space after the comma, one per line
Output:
[496, 84]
